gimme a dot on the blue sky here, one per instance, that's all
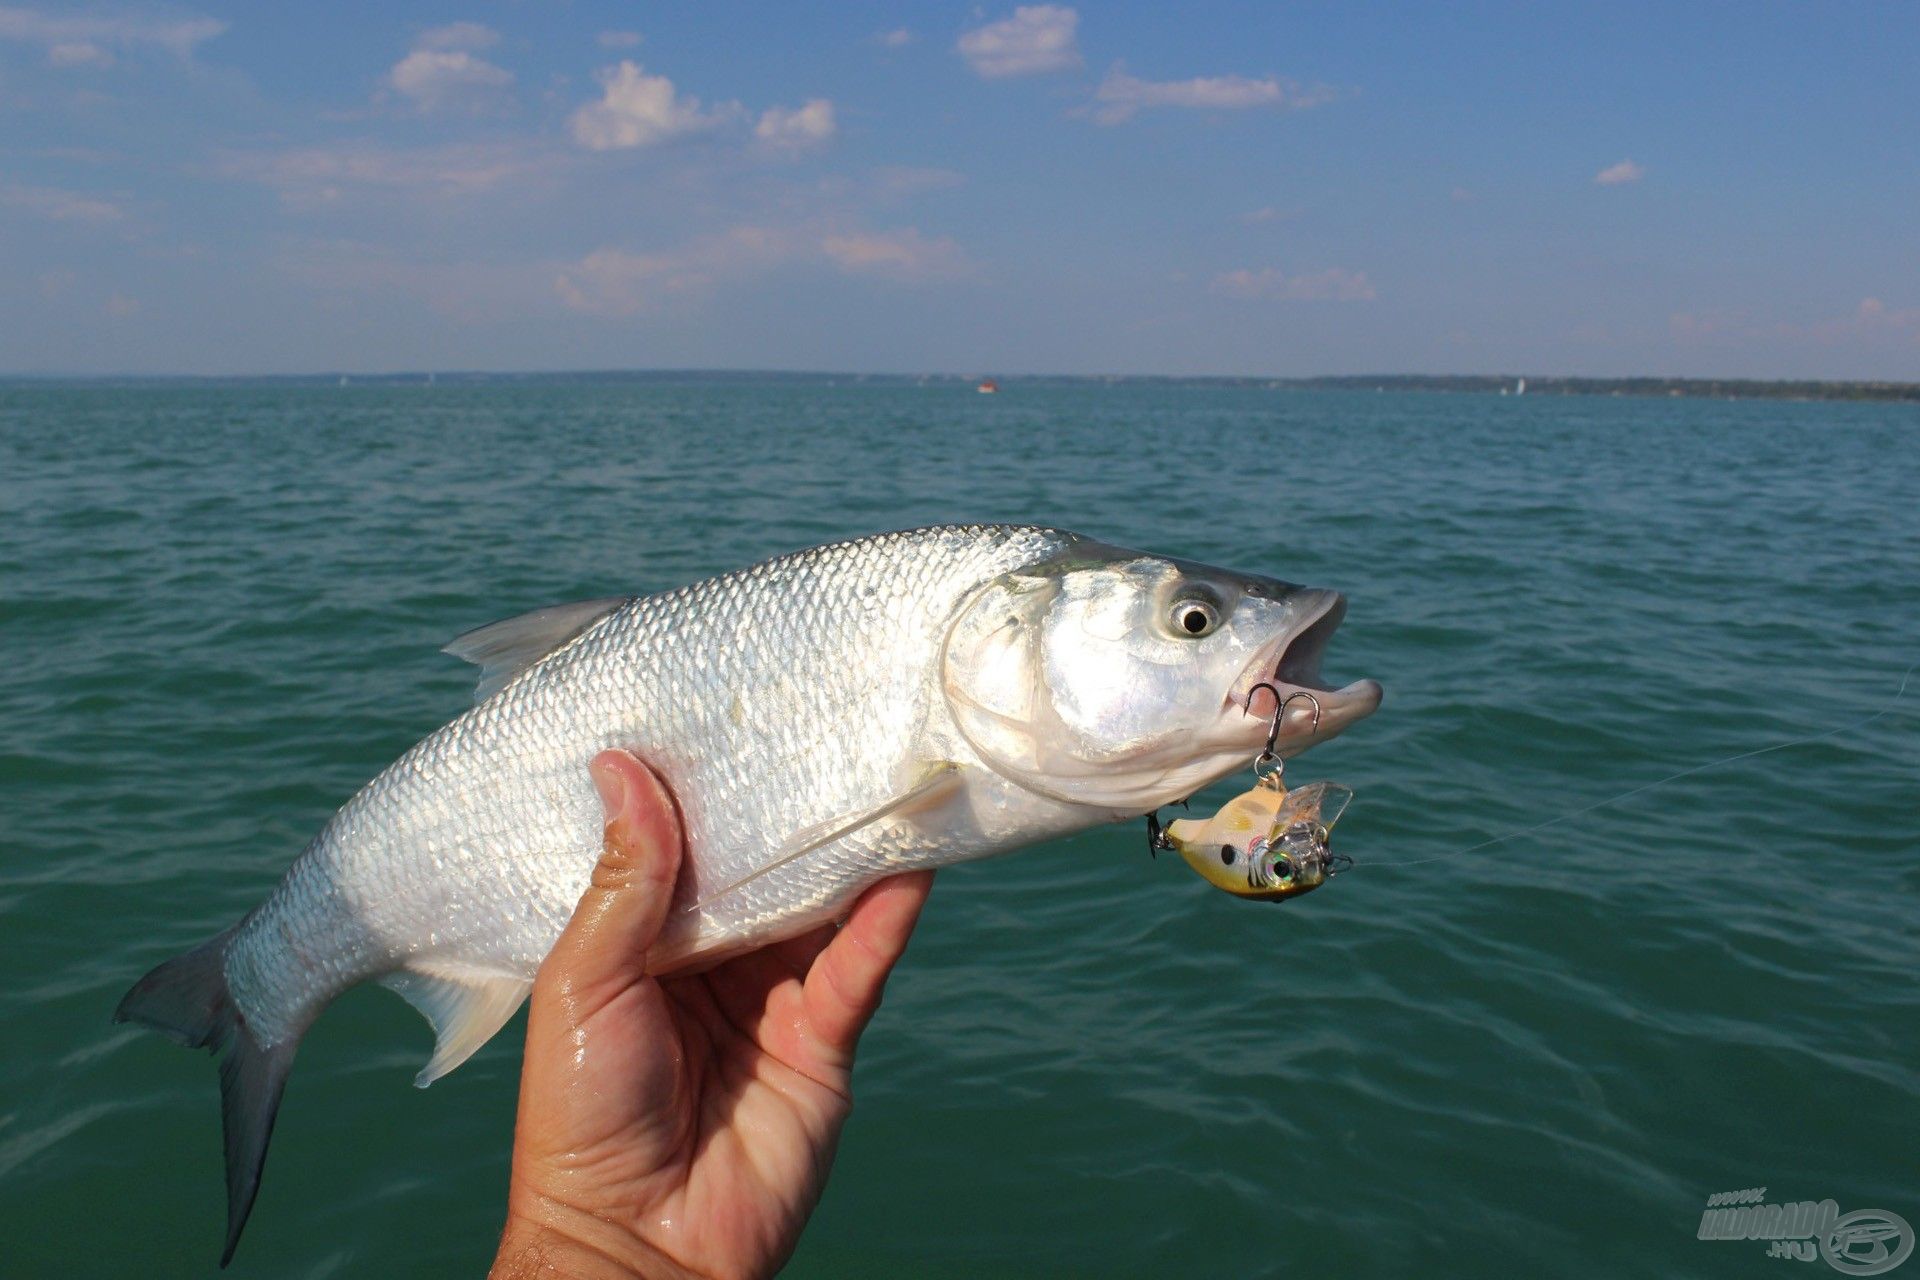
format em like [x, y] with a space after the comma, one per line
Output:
[1728, 189]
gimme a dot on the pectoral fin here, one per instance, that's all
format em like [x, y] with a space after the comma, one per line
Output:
[936, 782]
[465, 1010]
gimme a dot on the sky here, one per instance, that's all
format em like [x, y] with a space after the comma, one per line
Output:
[1727, 190]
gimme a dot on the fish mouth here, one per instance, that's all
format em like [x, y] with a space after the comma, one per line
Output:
[1286, 674]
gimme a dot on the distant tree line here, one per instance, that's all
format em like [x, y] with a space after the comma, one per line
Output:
[1715, 388]
[1485, 384]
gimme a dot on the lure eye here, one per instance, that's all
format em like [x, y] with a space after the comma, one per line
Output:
[1283, 868]
[1195, 618]
[1227, 854]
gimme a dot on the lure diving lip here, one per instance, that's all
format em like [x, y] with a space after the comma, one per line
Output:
[1267, 843]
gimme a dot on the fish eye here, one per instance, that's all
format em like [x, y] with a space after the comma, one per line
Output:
[1195, 618]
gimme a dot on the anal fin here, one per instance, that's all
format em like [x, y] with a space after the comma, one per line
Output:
[465, 1010]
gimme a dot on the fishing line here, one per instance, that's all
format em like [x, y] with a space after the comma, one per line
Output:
[1658, 782]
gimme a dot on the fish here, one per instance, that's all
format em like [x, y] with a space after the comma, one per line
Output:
[824, 720]
[1267, 843]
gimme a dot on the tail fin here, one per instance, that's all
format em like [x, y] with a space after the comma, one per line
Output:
[186, 999]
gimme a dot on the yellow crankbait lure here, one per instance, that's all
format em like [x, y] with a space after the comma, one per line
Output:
[1267, 842]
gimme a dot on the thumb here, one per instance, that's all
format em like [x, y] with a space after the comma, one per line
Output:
[604, 946]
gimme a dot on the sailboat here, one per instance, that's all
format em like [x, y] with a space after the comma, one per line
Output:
[1520, 387]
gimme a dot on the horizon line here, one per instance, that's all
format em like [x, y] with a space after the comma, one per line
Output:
[424, 374]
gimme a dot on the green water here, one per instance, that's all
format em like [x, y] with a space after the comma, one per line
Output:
[221, 609]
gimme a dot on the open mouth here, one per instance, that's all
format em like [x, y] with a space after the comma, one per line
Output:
[1299, 660]
[1286, 673]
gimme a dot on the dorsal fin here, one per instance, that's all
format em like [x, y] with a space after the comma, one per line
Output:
[502, 650]
[465, 1009]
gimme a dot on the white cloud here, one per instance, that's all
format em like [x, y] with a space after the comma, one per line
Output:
[1120, 96]
[898, 38]
[60, 205]
[902, 254]
[1335, 284]
[639, 110]
[619, 284]
[799, 128]
[326, 175]
[1615, 174]
[444, 79]
[1716, 326]
[78, 53]
[1873, 325]
[84, 40]
[612, 282]
[471, 291]
[469, 36]
[120, 306]
[1873, 317]
[1265, 213]
[443, 72]
[618, 39]
[899, 181]
[616, 283]
[1036, 39]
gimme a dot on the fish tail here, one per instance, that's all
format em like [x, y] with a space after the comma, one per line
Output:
[187, 1000]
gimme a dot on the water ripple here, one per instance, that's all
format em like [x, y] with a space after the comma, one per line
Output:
[222, 608]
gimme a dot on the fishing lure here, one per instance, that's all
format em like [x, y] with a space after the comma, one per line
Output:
[1267, 843]
[1271, 843]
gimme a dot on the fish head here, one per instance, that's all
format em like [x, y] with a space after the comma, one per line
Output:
[1125, 681]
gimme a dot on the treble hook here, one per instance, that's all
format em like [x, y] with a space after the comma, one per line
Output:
[1311, 701]
[1156, 835]
[1268, 763]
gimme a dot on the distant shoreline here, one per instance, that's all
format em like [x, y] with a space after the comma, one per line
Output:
[1680, 388]
[1471, 384]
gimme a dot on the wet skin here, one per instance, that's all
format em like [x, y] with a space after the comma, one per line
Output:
[684, 1127]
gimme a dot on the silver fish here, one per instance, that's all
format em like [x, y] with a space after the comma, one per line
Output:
[825, 719]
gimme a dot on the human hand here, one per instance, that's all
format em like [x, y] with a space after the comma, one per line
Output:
[683, 1127]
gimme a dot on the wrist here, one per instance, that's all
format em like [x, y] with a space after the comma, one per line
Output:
[543, 1250]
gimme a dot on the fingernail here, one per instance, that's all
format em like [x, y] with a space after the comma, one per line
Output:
[611, 782]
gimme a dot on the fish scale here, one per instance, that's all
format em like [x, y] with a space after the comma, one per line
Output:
[824, 720]
[500, 797]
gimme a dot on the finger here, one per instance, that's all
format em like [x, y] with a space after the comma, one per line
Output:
[798, 954]
[846, 983]
[604, 946]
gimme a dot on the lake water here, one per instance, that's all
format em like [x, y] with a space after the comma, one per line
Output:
[221, 608]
